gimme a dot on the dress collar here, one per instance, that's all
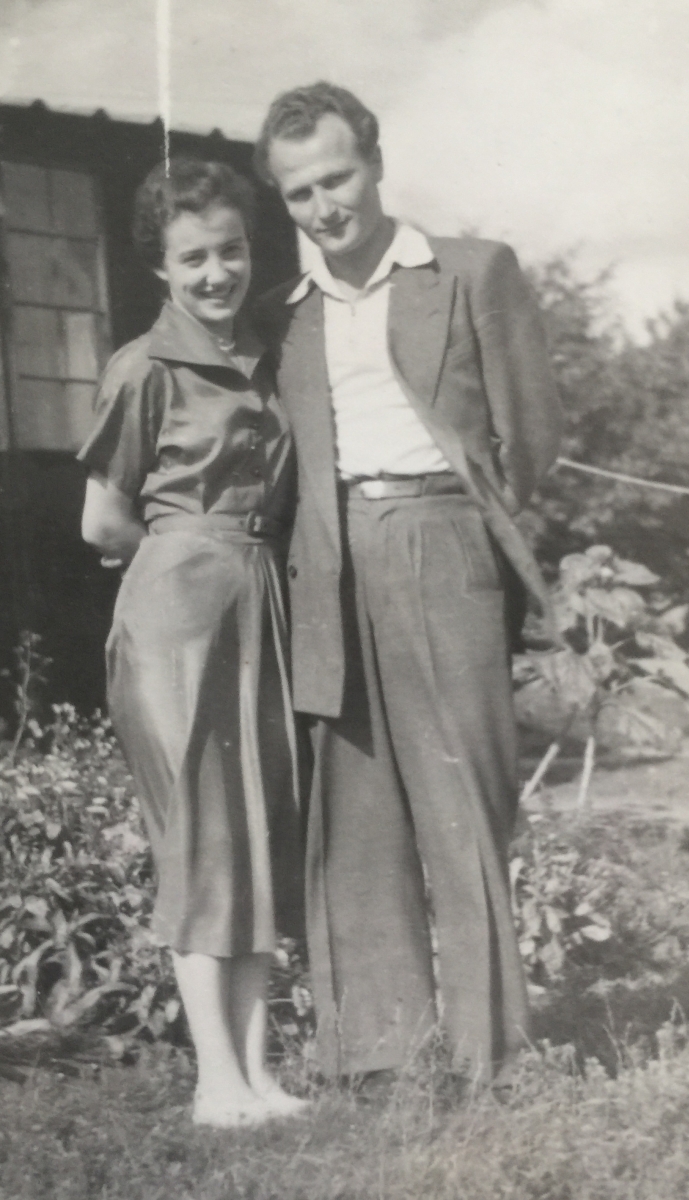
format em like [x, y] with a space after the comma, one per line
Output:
[408, 248]
[179, 337]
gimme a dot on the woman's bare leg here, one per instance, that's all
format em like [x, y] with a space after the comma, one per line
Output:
[224, 1097]
[248, 1018]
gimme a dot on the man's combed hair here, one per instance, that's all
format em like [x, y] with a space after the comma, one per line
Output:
[186, 185]
[296, 113]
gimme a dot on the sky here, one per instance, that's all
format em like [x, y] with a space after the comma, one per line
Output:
[557, 125]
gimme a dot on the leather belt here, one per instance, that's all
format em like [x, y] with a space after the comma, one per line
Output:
[253, 523]
[437, 484]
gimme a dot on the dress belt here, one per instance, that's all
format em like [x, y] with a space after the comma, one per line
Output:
[438, 483]
[253, 523]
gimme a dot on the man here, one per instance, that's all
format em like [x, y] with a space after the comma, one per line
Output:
[415, 375]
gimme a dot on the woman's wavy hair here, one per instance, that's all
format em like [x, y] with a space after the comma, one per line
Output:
[186, 185]
[296, 113]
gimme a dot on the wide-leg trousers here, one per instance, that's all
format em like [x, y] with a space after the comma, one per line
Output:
[414, 799]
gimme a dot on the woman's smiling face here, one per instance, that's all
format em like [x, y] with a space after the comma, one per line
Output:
[207, 264]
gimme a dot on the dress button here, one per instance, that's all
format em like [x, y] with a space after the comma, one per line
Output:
[256, 472]
[292, 571]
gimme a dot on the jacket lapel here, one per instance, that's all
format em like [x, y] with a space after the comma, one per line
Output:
[418, 324]
[305, 391]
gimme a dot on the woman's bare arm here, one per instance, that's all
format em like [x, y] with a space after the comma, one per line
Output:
[109, 521]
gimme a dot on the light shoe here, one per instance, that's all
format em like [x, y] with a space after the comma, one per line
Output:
[217, 1115]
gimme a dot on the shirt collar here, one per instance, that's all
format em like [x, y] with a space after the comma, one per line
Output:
[408, 248]
[179, 337]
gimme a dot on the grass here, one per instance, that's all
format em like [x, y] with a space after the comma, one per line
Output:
[127, 1134]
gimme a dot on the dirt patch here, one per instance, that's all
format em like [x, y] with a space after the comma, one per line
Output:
[651, 790]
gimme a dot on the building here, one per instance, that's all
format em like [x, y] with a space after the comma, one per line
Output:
[73, 291]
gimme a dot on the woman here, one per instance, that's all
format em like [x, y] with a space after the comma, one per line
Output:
[190, 480]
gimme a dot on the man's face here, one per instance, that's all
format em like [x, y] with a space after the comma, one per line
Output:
[331, 192]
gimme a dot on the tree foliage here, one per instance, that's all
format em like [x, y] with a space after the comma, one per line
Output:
[627, 409]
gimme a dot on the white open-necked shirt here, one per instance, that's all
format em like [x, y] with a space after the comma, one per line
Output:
[376, 429]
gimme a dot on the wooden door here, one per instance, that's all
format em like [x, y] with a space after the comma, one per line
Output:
[58, 336]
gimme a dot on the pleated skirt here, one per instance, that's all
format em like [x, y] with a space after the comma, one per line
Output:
[199, 697]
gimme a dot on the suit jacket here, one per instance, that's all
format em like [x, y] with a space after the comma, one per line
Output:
[468, 347]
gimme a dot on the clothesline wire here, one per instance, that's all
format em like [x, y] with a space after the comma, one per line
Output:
[622, 478]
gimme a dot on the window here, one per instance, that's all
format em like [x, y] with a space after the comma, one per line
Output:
[58, 311]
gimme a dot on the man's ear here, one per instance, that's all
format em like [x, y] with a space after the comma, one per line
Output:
[376, 161]
[161, 273]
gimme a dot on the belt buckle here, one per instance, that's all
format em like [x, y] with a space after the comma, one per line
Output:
[373, 489]
[254, 523]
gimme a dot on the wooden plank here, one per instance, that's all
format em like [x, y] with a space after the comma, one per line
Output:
[103, 339]
[73, 273]
[53, 271]
[30, 272]
[55, 345]
[73, 203]
[78, 414]
[4, 417]
[81, 345]
[37, 341]
[102, 289]
[50, 415]
[25, 196]
[38, 414]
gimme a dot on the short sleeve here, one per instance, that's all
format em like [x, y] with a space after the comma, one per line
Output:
[128, 412]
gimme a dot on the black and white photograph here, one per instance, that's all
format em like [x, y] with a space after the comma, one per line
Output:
[344, 600]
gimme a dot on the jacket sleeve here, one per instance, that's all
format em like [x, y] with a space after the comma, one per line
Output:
[520, 387]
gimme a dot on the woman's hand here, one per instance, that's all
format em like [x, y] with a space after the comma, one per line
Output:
[109, 522]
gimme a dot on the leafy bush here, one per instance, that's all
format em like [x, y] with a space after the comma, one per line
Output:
[586, 900]
[557, 907]
[77, 887]
[617, 637]
[76, 894]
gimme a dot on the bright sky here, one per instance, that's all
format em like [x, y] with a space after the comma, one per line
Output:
[551, 123]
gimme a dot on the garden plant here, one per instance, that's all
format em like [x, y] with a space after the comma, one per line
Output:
[614, 679]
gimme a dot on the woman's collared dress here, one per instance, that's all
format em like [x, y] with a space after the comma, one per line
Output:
[198, 687]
